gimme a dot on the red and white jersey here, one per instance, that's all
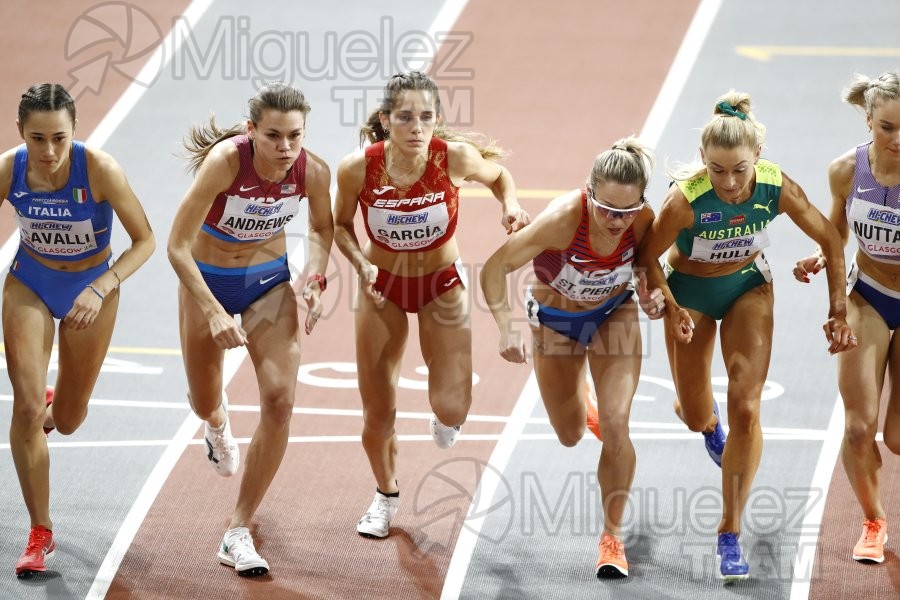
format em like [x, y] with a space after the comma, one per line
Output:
[253, 209]
[579, 273]
[414, 219]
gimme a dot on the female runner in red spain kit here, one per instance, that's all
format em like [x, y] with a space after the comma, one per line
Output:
[865, 192]
[229, 250]
[581, 313]
[65, 195]
[406, 184]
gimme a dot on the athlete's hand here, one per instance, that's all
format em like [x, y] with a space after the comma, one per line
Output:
[680, 324]
[808, 266]
[512, 346]
[84, 310]
[653, 303]
[367, 276]
[839, 335]
[515, 219]
[313, 298]
[226, 333]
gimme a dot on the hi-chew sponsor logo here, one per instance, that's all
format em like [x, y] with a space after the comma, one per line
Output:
[738, 243]
[413, 219]
[263, 211]
[710, 217]
[883, 216]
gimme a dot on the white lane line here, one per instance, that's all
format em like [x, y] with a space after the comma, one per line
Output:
[160, 473]
[512, 432]
[650, 134]
[487, 485]
[815, 503]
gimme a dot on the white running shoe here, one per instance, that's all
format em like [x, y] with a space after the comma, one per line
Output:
[443, 436]
[222, 451]
[238, 551]
[376, 523]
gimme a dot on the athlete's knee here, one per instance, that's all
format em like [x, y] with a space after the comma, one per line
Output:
[379, 422]
[27, 415]
[696, 422]
[859, 433]
[277, 404]
[743, 417]
[451, 415]
[69, 424]
[892, 440]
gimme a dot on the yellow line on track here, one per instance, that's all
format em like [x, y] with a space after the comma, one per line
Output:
[767, 53]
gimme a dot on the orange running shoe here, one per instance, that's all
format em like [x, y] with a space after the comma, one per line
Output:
[870, 547]
[39, 548]
[611, 563]
[48, 397]
[593, 419]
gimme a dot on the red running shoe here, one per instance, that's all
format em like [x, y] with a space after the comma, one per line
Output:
[48, 396]
[40, 547]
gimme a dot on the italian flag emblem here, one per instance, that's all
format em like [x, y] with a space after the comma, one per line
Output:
[79, 195]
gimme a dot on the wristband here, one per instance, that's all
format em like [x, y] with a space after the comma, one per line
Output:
[99, 295]
[320, 279]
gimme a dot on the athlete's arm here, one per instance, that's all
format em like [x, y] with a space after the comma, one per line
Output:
[552, 229]
[840, 180]
[813, 223]
[213, 177]
[351, 176]
[652, 301]
[7, 159]
[676, 214]
[466, 163]
[108, 184]
[321, 232]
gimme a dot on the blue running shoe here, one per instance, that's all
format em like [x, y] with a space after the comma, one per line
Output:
[732, 566]
[715, 440]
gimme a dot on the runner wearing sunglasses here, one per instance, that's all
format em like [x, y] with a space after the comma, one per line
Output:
[581, 313]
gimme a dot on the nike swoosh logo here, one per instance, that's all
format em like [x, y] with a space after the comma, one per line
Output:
[860, 190]
[20, 194]
[383, 190]
[449, 283]
[579, 260]
[267, 279]
[243, 189]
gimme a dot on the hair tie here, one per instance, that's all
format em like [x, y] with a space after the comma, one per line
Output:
[730, 110]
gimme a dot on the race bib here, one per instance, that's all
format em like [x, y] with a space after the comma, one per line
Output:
[737, 249]
[415, 230]
[251, 219]
[590, 286]
[57, 238]
[877, 229]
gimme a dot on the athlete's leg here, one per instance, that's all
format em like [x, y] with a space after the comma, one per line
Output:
[690, 364]
[81, 354]
[202, 361]
[381, 333]
[28, 331]
[892, 419]
[445, 336]
[559, 367]
[615, 361]
[861, 376]
[746, 347]
[273, 329]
